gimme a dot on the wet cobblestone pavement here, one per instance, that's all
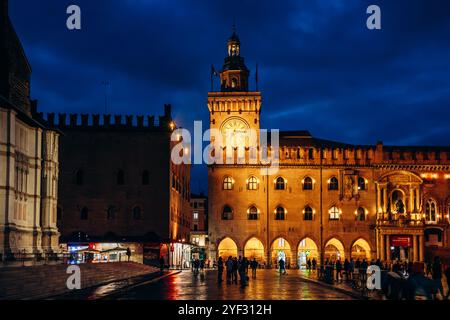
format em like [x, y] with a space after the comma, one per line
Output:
[268, 285]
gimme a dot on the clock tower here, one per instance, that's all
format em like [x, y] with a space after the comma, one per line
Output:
[234, 108]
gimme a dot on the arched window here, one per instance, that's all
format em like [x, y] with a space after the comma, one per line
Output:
[252, 213]
[252, 183]
[280, 183]
[333, 184]
[361, 183]
[120, 178]
[334, 213]
[280, 213]
[308, 213]
[84, 213]
[311, 153]
[137, 213]
[111, 213]
[397, 202]
[227, 213]
[227, 183]
[307, 183]
[79, 178]
[430, 211]
[360, 214]
[145, 178]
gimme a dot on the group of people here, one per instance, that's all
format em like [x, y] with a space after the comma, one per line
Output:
[234, 267]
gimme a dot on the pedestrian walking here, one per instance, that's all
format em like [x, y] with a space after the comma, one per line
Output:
[229, 266]
[314, 263]
[308, 264]
[338, 270]
[437, 275]
[128, 254]
[219, 270]
[282, 266]
[447, 275]
[235, 270]
[346, 269]
[254, 266]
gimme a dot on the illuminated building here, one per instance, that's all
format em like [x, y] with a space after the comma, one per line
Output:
[328, 199]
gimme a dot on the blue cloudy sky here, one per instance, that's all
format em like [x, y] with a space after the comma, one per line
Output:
[320, 68]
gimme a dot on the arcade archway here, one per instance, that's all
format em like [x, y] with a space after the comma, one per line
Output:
[281, 250]
[334, 249]
[361, 250]
[227, 247]
[307, 249]
[254, 249]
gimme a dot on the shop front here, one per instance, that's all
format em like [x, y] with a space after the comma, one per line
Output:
[401, 247]
[99, 252]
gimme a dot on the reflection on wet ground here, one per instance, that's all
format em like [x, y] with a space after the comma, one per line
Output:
[269, 285]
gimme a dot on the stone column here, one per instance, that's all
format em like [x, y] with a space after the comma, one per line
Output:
[388, 248]
[385, 200]
[382, 248]
[294, 258]
[378, 199]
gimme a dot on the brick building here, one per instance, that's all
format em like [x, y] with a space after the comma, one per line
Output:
[328, 199]
[119, 188]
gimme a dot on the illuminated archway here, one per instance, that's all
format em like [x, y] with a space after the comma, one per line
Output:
[281, 250]
[361, 249]
[227, 247]
[254, 249]
[334, 249]
[307, 249]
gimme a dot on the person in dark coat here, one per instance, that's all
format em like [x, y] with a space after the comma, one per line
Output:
[436, 271]
[346, 269]
[447, 275]
[254, 266]
[338, 270]
[219, 270]
[282, 265]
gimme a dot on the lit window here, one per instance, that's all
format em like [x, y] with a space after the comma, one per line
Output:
[360, 214]
[308, 214]
[280, 213]
[280, 184]
[430, 211]
[227, 213]
[334, 213]
[307, 183]
[195, 215]
[252, 183]
[227, 183]
[252, 213]
[333, 184]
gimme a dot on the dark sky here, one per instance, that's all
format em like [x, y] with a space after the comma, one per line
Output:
[320, 68]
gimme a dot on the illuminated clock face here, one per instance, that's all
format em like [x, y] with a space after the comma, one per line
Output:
[235, 129]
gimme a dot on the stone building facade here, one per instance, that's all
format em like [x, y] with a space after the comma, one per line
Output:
[327, 199]
[199, 226]
[28, 158]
